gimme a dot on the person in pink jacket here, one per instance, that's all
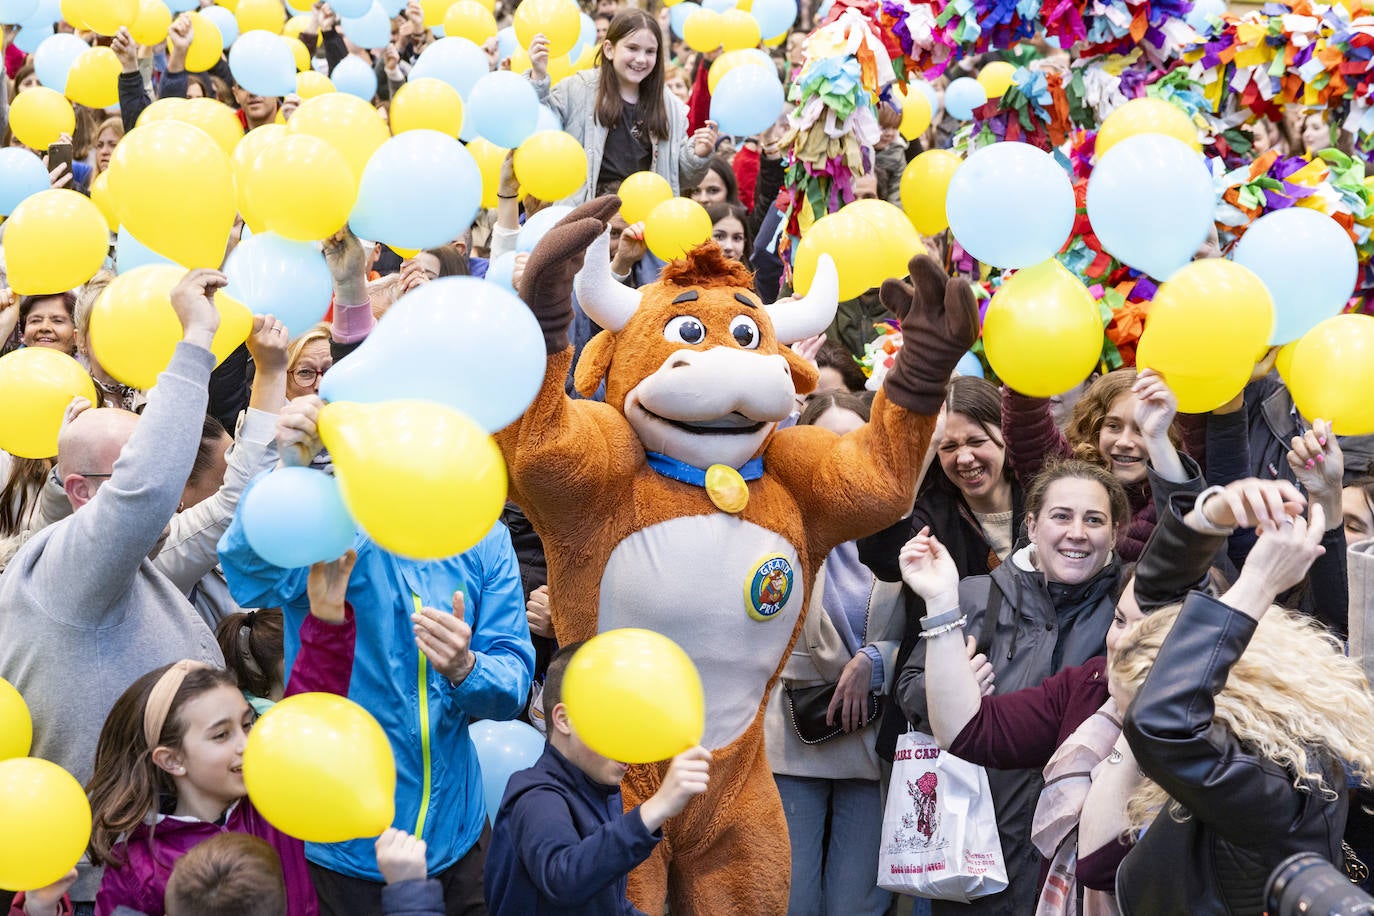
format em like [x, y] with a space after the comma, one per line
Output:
[169, 765]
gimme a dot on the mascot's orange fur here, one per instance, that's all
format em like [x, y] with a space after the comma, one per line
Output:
[698, 373]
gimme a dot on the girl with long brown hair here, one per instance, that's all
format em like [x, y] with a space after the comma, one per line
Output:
[621, 112]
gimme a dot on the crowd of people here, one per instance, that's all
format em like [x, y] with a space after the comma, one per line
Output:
[1178, 600]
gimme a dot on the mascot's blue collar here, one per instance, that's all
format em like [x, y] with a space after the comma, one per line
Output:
[687, 473]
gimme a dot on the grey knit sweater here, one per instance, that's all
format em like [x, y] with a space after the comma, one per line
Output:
[83, 611]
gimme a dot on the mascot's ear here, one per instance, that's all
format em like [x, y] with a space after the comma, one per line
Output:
[593, 363]
[804, 372]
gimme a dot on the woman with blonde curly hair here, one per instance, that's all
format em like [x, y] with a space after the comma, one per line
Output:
[1124, 422]
[1245, 716]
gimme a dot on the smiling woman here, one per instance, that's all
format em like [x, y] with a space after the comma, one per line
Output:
[46, 321]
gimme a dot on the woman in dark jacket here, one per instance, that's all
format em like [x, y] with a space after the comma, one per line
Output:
[1243, 715]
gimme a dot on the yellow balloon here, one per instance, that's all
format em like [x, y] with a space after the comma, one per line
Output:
[210, 115]
[405, 253]
[39, 116]
[924, 187]
[55, 240]
[427, 104]
[93, 80]
[434, 11]
[738, 30]
[319, 767]
[471, 20]
[16, 725]
[299, 52]
[230, 5]
[560, 68]
[1146, 116]
[588, 58]
[729, 61]
[557, 20]
[300, 7]
[53, 819]
[916, 115]
[635, 696]
[422, 479]
[551, 165]
[1210, 308]
[489, 157]
[850, 243]
[135, 330]
[1042, 331]
[703, 30]
[296, 25]
[520, 61]
[207, 44]
[1283, 362]
[996, 78]
[640, 193]
[1200, 388]
[36, 385]
[174, 191]
[72, 13]
[301, 188]
[151, 24]
[675, 227]
[900, 242]
[346, 123]
[776, 41]
[104, 17]
[245, 154]
[104, 201]
[309, 84]
[1333, 374]
[266, 15]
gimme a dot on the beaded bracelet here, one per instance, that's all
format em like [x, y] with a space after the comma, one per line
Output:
[931, 621]
[940, 631]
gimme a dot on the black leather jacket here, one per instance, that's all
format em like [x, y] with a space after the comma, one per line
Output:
[1244, 814]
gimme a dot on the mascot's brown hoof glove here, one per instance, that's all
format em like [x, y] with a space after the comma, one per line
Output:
[938, 314]
[547, 284]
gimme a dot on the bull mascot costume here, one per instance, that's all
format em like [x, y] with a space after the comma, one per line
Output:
[698, 375]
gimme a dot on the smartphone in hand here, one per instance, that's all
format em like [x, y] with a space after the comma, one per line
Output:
[60, 152]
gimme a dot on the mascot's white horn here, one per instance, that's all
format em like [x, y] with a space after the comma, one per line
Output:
[811, 314]
[608, 303]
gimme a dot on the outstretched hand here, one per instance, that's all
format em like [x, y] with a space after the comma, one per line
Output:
[929, 571]
[327, 586]
[939, 325]
[547, 282]
[445, 639]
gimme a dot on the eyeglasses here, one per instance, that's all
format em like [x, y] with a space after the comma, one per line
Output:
[305, 376]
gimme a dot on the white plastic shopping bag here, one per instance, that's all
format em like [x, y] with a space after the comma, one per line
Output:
[940, 826]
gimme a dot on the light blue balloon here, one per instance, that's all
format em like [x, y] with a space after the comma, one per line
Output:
[548, 120]
[226, 23]
[747, 101]
[456, 61]
[54, 58]
[504, 108]
[458, 341]
[969, 364]
[276, 276]
[31, 35]
[774, 16]
[372, 30]
[293, 517]
[354, 77]
[1010, 205]
[503, 749]
[394, 208]
[14, 12]
[1151, 203]
[46, 12]
[393, 8]
[506, 43]
[1203, 11]
[1307, 261]
[962, 96]
[537, 226]
[677, 15]
[501, 271]
[131, 253]
[929, 92]
[586, 36]
[263, 64]
[350, 9]
[182, 6]
[21, 174]
[718, 6]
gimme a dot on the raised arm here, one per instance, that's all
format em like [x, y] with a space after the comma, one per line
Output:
[1318, 463]
[121, 520]
[328, 636]
[1030, 433]
[353, 319]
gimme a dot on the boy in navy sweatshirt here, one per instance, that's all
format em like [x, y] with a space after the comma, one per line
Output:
[562, 842]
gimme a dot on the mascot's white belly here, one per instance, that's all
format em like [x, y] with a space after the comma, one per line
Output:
[727, 591]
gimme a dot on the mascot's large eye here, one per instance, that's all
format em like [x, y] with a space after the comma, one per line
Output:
[685, 329]
[745, 332]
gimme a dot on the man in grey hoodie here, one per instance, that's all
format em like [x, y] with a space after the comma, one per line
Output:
[83, 610]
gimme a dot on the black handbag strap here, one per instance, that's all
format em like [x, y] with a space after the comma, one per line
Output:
[990, 616]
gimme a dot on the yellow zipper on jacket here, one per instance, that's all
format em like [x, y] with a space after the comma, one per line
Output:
[424, 734]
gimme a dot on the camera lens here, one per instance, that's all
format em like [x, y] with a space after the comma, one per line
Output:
[1308, 885]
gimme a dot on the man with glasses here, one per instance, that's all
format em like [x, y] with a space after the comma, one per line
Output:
[83, 610]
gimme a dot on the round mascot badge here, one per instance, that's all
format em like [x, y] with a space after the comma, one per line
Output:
[767, 591]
